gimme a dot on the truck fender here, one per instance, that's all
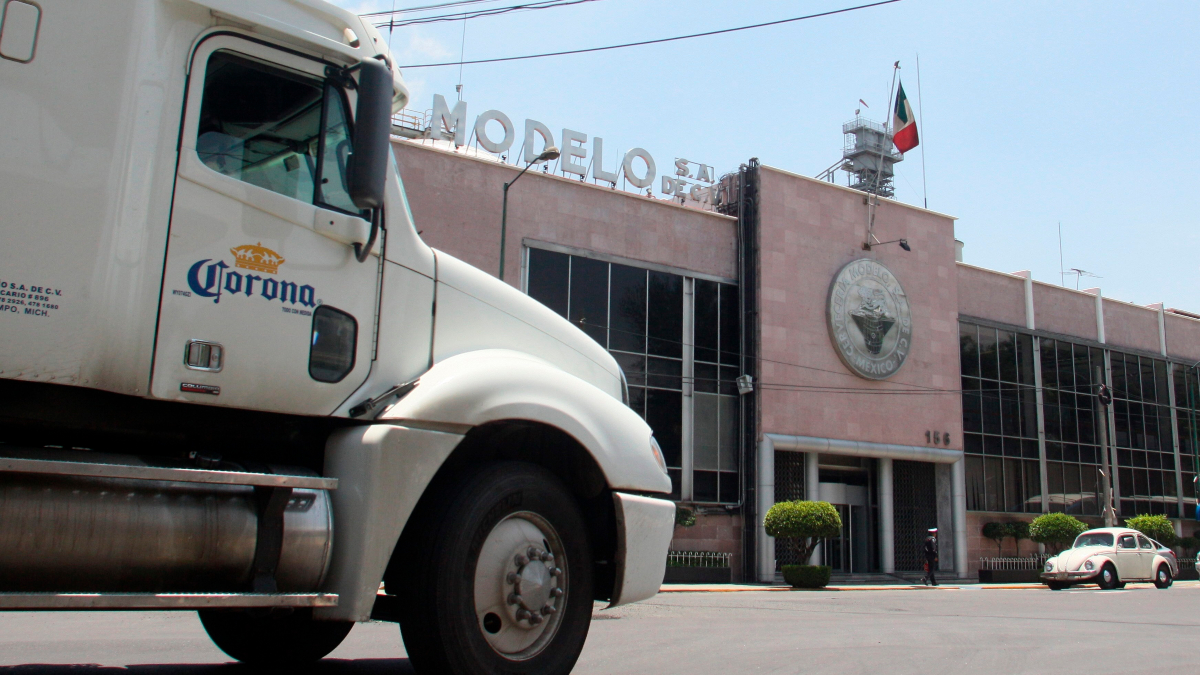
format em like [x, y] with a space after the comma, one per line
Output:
[475, 388]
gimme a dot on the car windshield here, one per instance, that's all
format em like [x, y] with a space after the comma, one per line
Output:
[1094, 539]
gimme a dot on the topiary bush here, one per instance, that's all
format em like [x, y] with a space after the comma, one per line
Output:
[1188, 544]
[806, 523]
[1156, 527]
[684, 516]
[997, 533]
[1018, 530]
[807, 576]
[1056, 530]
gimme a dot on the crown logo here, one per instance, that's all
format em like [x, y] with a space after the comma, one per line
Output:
[257, 257]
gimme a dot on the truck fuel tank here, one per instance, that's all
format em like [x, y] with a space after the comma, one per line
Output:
[94, 534]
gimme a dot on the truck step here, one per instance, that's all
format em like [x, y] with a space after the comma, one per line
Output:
[49, 601]
[19, 461]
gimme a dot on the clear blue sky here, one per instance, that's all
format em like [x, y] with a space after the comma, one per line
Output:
[1034, 112]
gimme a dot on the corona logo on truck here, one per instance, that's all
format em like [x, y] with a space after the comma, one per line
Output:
[209, 279]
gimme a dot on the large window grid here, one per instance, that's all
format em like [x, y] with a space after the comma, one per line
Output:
[999, 420]
[1187, 415]
[1142, 439]
[1073, 458]
[638, 315]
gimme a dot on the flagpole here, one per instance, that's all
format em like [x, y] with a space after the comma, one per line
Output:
[873, 202]
[921, 134]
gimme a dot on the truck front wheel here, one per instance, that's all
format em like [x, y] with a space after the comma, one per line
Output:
[500, 577]
[273, 639]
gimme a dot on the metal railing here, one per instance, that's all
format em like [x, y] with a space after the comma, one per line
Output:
[698, 559]
[1034, 562]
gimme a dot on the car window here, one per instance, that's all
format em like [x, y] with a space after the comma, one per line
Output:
[1127, 541]
[1145, 543]
[333, 189]
[1094, 539]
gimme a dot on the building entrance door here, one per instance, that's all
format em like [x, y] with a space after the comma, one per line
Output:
[849, 552]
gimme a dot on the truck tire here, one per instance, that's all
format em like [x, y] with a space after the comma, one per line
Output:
[273, 639]
[499, 578]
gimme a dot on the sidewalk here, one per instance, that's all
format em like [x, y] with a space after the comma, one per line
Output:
[949, 586]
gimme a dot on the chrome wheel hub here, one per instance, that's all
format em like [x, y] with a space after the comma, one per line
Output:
[520, 585]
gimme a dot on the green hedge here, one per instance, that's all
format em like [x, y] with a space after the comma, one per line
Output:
[1156, 527]
[1056, 530]
[807, 576]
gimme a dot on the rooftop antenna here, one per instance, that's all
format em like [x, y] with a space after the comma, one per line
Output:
[1062, 273]
[462, 49]
[1082, 273]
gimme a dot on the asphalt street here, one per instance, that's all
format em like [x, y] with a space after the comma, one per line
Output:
[972, 630]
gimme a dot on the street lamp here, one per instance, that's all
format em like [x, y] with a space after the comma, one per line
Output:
[548, 154]
[867, 245]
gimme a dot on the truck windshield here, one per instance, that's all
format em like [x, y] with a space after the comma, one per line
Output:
[274, 128]
[1094, 539]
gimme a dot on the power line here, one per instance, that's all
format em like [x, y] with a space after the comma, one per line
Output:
[463, 16]
[423, 8]
[660, 40]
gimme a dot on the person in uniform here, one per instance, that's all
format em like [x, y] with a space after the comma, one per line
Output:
[931, 558]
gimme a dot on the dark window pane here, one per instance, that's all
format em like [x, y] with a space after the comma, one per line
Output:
[1028, 412]
[705, 378]
[1033, 487]
[1088, 454]
[1054, 485]
[1054, 451]
[727, 411]
[1025, 359]
[333, 346]
[730, 320]
[634, 366]
[990, 398]
[993, 445]
[1050, 415]
[637, 400]
[1161, 382]
[728, 381]
[707, 321]
[728, 487]
[968, 345]
[665, 373]
[676, 480]
[1049, 378]
[1070, 452]
[973, 443]
[1141, 482]
[1089, 481]
[1096, 359]
[1010, 410]
[1029, 449]
[589, 297]
[1124, 457]
[1006, 350]
[1087, 418]
[972, 407]
[976, 501]
[989, 363]
[1071, 490]
[1121, 415]
[1083, 374]
[627, 309]
[664, 414]
[1014, 500]
[1120, 388]
[666, 315]
[704, 486]
[1148, 388]
[1065, 366]
[1068, 426]
[994, 483]
[548, 272]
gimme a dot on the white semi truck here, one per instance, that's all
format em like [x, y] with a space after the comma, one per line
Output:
[234, 379]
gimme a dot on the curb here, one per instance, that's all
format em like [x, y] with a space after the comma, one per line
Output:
[746, 588]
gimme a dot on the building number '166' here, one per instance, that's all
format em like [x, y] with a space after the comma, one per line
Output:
[937, 437]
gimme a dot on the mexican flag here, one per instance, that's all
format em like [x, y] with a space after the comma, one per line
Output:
[904, 123]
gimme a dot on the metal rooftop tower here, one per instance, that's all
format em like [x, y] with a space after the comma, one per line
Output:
[868, 156]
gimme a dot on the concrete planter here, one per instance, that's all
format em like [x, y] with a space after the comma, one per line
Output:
[807, 576]
[1009, 576]
[697, 575]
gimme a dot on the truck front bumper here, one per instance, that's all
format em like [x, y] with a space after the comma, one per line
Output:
[644, 530]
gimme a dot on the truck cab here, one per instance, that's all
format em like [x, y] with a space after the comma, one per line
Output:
[214, 302]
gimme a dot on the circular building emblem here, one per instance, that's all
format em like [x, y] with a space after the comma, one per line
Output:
[869, 320]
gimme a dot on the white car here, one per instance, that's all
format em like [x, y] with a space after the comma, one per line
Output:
[1110, 557]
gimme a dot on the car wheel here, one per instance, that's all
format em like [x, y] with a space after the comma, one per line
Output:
[273, 639]
[500, 577]
[1162, 578]
[1056, 585]
[1107, 579]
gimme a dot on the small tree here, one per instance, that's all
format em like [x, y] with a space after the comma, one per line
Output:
[1018, 530]
[806, 523]
[1157, 527]
[1056, 530]
[1188, 544]
[996, 532]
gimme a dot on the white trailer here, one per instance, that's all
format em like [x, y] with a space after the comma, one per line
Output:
[234, 379]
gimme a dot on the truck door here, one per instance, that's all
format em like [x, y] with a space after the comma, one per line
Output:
[264, 304]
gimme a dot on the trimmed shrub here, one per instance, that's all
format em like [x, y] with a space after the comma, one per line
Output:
[1018, 530]
[1156, 527]
[684, 517]
[807, 576]
[1056, 530]
[806, 523]
[997, 532]
[1188, 544]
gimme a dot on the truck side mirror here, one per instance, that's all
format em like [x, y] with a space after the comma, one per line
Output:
[366, 173]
